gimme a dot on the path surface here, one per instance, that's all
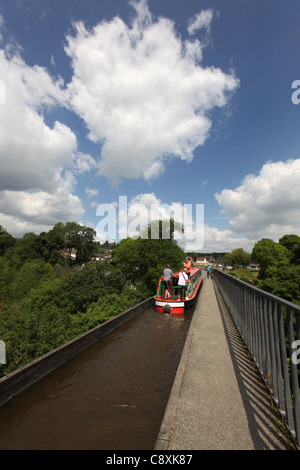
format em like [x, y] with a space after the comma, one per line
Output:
[218, 400]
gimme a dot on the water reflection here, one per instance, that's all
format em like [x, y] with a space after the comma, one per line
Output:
[111, 396]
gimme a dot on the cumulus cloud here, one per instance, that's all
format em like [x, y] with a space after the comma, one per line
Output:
[38, 211]
[143, 95]
[217, 240]
[31, 152]
[265, 205]
[142, 92]
[36, 191]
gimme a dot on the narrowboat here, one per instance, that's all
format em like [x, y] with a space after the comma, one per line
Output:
[173, 302]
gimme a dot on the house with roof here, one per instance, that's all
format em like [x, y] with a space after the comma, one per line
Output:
[208, 260]
[69, 252]
[202, 261]
[101, 257]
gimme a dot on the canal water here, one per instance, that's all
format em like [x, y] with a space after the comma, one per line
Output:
[112, 396]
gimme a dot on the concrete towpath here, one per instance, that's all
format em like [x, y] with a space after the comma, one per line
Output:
[218, 400]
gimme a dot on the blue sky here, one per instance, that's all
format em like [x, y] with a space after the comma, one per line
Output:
[164, 102]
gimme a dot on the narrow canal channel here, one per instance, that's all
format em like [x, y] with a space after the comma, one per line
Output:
[112, 396]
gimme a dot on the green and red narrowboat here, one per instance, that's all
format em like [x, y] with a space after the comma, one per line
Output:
[174, 301]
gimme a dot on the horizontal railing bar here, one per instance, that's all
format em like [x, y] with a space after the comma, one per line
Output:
[279, 300]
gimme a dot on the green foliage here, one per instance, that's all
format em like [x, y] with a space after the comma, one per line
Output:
[283, 282]
[28, 277]
[81, 238]
[292, 243]
[143, 260]
[30, 332]
[279, 266]
[6, 240]
[270, 255]
[48, 246]
[104, 309]
[246, 275]
[237, 257]
[45, 302]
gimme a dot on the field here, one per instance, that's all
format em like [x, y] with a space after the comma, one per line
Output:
[246, 275]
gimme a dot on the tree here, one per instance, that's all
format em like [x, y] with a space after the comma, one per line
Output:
[241, 257]
[292, 243]
[54, 242]
[284, 283]
[37, 311]
[81, 238]
[296, 253]
[142, 260]
[227, 259]
[126, 258]
[237, 257]
[162, 230]
[6, 240]
[30, 274]
[26, 248]
[35, 325]
[289, 241]
[270, 255]
[279, 266]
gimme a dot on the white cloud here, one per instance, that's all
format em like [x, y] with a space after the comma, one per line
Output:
[36, 186]
[142, 92]
[92, 192]
[84, 163]
[40, 206]
[200, 20]
[216, 240]
[154, 170]
[31, 152]
[36, 211]
[265, 205]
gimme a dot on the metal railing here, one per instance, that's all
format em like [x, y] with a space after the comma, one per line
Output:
[174, 292]
[270, 327]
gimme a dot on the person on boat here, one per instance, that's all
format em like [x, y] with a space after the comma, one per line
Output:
[182, 282]
[188, 265]
[167, 276]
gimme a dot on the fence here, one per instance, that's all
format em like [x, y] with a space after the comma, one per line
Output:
[270, 327]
